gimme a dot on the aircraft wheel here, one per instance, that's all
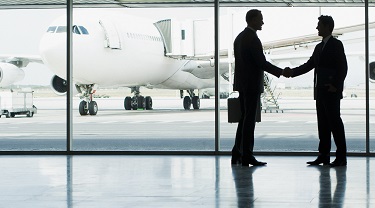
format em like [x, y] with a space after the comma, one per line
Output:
[93, 108]
[128, 103]
[134, 103]
[141, 102]
[187, 102]
[148, 103]
[196, 102]
[83, 108]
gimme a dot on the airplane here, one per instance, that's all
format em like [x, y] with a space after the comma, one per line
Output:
[116, 49]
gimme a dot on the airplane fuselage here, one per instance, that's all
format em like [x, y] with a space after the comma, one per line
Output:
[118, 50]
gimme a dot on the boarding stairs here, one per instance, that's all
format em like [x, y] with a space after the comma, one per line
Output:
[268, 97]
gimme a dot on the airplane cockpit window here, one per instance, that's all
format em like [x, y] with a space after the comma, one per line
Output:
[83, 30]
[80, 30]
[51, 29]
[61, 29]
[76, 30]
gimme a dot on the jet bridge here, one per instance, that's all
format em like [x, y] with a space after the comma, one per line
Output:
[189, 38]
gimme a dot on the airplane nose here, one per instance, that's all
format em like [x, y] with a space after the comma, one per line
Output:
[52, 49]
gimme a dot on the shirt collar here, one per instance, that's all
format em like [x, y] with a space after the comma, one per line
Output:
[252, 29]
[325, 40]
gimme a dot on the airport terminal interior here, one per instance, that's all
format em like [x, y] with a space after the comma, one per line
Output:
[170, 147]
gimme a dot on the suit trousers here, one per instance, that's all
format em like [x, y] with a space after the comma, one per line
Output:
[330, 122]
[244, 142]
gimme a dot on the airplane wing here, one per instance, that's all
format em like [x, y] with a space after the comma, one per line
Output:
[20, 61]
[205, 68]
[304, 40]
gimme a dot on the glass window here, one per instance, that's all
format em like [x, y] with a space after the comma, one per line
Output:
[35, 117]
[51, 29]
[152, 115]
[61, 29]
[76, 30]
[84, 30]
[289, 121]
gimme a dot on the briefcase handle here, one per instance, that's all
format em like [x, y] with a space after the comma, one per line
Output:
[234, 94]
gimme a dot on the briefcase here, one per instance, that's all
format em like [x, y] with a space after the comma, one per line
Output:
[234, 110]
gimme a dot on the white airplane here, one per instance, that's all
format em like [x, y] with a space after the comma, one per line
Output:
[115, 49]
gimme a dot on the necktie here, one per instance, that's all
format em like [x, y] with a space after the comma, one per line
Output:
[323, 44]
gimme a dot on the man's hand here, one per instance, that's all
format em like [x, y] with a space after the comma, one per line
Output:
[287, 72]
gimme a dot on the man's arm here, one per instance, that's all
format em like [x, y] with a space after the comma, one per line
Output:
[342, 66]
[306, 67]
[260, 59]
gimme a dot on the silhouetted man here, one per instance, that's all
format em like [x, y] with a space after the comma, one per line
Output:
[250, 64]
[329, 62]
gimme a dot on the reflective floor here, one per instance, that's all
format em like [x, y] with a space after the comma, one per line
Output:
[182, 181]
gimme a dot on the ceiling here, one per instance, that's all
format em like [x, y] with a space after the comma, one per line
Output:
[51, 4]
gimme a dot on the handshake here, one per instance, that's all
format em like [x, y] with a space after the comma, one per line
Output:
[287, 72]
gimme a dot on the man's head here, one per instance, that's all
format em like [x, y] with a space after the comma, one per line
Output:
[325, 25]
[254, 19]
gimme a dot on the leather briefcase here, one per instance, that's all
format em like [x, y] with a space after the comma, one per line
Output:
[234, 110]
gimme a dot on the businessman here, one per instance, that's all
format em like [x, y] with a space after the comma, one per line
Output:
[329, 62]
[250, 64]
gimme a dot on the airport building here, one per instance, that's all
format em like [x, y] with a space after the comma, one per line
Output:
[118, 103]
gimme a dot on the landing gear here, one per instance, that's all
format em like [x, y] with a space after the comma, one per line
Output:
[87, 105]
[137, 101]
[191, 99]
[86, 108]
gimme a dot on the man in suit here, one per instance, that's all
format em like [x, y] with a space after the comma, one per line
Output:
[329, 62]
[250, 64]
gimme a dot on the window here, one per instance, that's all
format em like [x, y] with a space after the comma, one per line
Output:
[61, 29]
[51, 29]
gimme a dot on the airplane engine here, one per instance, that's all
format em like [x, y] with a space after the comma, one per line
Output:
[59, 85]
[372, 71]
[10, 74]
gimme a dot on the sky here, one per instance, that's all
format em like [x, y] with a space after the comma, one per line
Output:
[22, 29]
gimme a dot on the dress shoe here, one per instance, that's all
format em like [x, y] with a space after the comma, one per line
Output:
[319, 160]
[235, 160]
[252, 161]
[337, 163]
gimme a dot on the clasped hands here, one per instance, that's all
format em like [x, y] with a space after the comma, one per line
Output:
[287, 72]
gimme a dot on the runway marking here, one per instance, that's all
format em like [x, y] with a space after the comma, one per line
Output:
[108, 122]
[311, 122]
[166, 122]
[196, 121]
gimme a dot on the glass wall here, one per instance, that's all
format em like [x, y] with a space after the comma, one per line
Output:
[33, 117]
[152, 72]
[144, 79]
[288, 117]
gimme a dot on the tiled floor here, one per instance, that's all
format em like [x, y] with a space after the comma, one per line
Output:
[182, 181]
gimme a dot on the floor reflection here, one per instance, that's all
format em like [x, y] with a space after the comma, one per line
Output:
[325, 183]
[243, 180]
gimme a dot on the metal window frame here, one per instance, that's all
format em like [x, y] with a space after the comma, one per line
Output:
[69, 134]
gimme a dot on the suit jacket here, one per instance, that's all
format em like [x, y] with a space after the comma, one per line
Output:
[250, 63]
[330, 68]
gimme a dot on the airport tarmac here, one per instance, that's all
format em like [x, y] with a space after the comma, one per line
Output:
[170, 128]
